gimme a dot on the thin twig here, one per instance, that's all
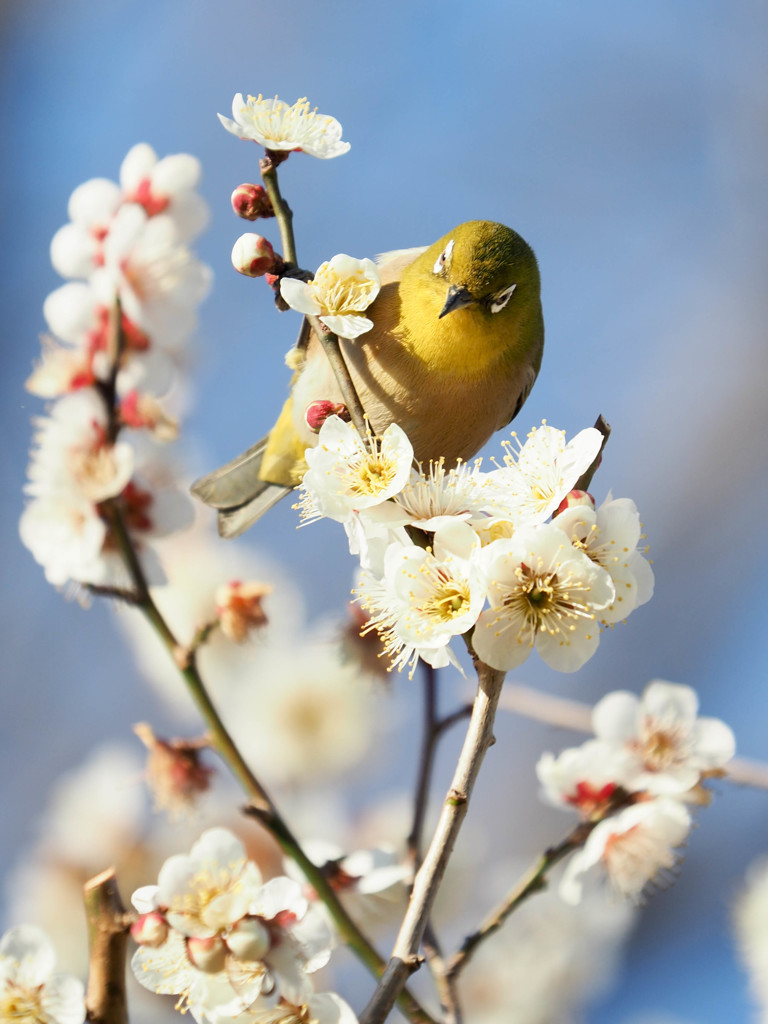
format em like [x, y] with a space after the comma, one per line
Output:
[283, 212]
[108, 928]
[534, 880]
[478, 739]
[334, 355]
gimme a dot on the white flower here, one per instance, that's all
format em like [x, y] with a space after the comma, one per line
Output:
[66, 536]
[165, 186]
[751, 922]
[209, 889]
[542, 592]
[533, 481]
[157, 279]
[342, 289]
[669, 745]
[347, 473]
[77, 247]
[429, 501]
[631, 847]
[583, 778]
[74, 454]
[277, 126]
[610, 536]
[426, 597]
[29, 991]
[371, 884]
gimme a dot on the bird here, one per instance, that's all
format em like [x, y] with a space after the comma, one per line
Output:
[455, 349]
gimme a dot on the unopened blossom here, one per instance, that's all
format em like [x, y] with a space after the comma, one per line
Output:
[348, 473]
[175, 772]
[30, 993]
[610, 535]
[280, 127]
[251, 202]
[583, 778]
[631, 848]
[670, 747]
[542, 592]
[341, 291]
[318, 412]
[253, 255]
[535, 478]
[426, 596]
[239, 609]
[166, 185]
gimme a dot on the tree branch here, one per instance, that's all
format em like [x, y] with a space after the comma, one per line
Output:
[479, 738]
[108, 928]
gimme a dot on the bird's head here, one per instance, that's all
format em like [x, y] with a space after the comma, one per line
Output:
[483, 266]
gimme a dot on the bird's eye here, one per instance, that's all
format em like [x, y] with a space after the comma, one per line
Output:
[500, 299]
[444, 259]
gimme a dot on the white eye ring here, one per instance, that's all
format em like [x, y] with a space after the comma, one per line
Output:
[443, 259]
[498, 302]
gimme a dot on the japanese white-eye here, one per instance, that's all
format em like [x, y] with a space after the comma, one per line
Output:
[455, 348]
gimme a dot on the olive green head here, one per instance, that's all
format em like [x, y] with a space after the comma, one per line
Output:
[480, 264]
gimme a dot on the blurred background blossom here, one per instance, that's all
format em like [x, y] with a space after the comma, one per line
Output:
[628, 145]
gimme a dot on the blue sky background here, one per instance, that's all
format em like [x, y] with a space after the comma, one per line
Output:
[628, 144]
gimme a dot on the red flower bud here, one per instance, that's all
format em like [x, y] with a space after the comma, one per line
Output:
[318, 412]
[150, 929]
[575, 498]
[251, 202]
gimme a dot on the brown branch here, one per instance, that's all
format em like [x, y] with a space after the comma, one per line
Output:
[108, 927]
[405, 955]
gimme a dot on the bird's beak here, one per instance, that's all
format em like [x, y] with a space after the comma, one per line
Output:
[456, 299]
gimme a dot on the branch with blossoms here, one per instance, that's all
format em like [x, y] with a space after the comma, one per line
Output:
[499, 562]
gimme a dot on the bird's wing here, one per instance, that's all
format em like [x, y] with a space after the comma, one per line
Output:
[392, 264]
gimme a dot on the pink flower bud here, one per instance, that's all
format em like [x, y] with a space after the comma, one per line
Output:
[150, 929]
[253, 255]
[318, 412]
[574, 499]
[208, 955]
[238, 608]
[249, 939]
[175, 773]
[251, 202]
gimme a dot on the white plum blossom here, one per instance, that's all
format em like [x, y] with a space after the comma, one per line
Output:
[426, 596]
[371, 884]
[610, 535]
[670, 747]
[165, 186]
[232, 940]
[341, 291]
[632, 848]
[77, 248]
[583, 778]
[280, 127]
[30, 993]
[543, 592]
[348, 473]
[431, 500]
[535, 479]
[750, 915]
[157, 279]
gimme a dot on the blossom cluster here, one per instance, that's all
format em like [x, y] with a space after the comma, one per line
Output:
[230, 945]
[435, 546]
[116, 328]
[632, 781]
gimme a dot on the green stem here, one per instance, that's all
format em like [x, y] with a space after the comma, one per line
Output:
[283, 212]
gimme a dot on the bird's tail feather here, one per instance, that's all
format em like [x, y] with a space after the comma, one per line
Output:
[236, 491]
